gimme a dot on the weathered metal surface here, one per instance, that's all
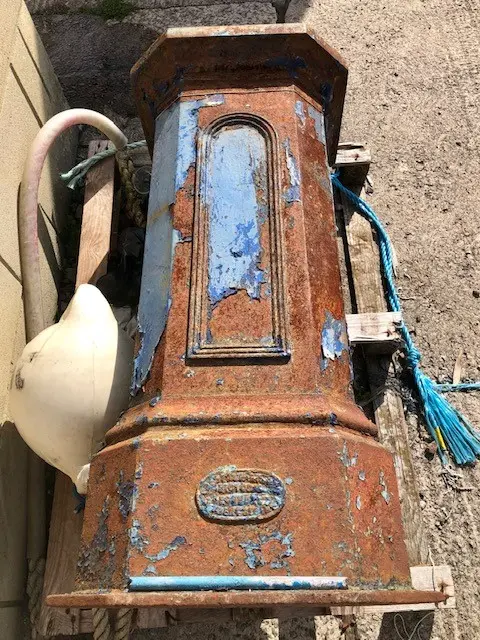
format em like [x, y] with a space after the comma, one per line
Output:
[253, 56]
[243, 453]
[251, 599]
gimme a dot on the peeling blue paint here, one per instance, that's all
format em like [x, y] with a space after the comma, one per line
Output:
[150, 570]
[345, 458]
[254, 550]
[292, 64]
[300, 111]
[334, 339]
[234, 194]
[174, 153]
[127, 492]
[167, 550]
[292, 194]
[358, 502]
[154, 401]
[383, 483]
[317, 117]
[188, 133]
[137, 540]
[362, 476]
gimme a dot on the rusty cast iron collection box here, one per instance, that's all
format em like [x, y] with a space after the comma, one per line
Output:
[243, 474]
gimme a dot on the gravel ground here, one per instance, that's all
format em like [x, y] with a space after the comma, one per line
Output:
[413, 98]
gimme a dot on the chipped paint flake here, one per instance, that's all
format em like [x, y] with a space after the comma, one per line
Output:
[300, 111]
[334, 339]
[256, 551]
[137, 540]
[127, 496]
[235, 196]
[292, 194]
[383, 483]
[358, 502]
[317, 117]
[167, 550]
[345, 458]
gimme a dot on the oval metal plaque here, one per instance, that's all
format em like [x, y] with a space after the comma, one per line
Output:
[240, 495]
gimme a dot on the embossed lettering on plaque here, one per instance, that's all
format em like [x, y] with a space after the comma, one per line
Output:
[240, 495]
[237, 304]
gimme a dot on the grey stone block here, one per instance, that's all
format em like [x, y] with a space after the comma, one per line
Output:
[84, 6]
[214, 14]
[93, 57]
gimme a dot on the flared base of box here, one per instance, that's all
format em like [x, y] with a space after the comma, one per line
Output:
[250, 599]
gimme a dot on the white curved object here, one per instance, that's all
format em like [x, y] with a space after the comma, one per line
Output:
[27, 220]
[71, 383]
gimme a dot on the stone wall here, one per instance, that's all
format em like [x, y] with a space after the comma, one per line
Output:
[29, 95]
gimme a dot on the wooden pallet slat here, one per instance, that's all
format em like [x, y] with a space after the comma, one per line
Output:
[364, 261]
[65, 524]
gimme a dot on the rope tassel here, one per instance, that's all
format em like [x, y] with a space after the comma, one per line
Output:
[448, 427]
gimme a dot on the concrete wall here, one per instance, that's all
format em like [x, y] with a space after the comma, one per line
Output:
[29, 95]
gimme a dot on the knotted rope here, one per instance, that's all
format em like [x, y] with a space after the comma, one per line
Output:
[75, 177]
[446, 425]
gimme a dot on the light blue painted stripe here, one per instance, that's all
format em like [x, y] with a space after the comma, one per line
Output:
[241, 583]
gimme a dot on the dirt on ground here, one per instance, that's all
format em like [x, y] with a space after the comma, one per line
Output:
[413, 99]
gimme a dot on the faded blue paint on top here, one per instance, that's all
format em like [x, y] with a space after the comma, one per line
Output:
[174, 152]
[234, 195]
[292, 194]
[300, 111]
[334, 339]
[317, 117]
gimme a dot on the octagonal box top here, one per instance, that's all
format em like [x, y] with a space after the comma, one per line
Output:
[215, 58]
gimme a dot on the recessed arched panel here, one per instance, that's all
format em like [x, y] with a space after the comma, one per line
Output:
[237, 307]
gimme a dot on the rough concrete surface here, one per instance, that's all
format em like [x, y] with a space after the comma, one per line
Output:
[413, 98]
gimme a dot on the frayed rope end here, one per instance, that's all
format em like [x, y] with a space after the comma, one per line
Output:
[450, 430]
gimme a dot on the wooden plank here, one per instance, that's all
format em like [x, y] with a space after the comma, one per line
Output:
[423, 578]
[389, 415]
[65, 524]
[97, 217]
[378, 332]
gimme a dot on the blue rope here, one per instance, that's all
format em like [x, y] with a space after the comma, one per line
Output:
[74, 178]
[461, 386]
[447, 426]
